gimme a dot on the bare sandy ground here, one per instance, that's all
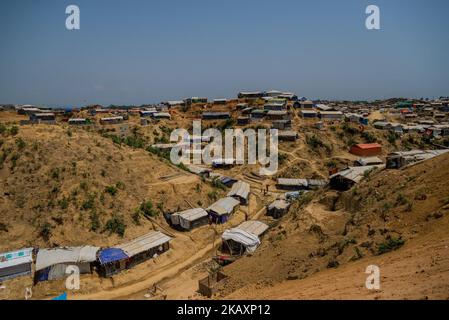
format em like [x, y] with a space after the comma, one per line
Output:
[419, 271]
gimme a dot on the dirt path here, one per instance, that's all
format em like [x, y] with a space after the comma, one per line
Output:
[179, 278]
[170, 270]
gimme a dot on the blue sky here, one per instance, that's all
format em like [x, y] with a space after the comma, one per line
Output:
[136, 51]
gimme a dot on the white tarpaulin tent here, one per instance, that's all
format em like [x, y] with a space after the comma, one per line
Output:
[248, 240]
[51, 264]
[70, 255]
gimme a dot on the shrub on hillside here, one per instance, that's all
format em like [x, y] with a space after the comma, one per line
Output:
[390, 245]
[111, 190]
[116, 225]
[45, 231]
[147, 209]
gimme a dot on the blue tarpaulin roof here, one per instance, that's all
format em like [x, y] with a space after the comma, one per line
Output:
[227, 181]
[111, 254]
[61, 297]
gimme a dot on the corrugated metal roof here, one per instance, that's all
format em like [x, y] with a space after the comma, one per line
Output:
[418, 152]
[192, 214]
[331, 113]
[277, 113]
[292, 182]
[356, 173]
[111, 118]
[197, 169]
[287, 134]
[144, 243]
[161, 115]
[241, 189]
[323, 107]
[15, 258]
[224, 206]
[77, 120]
[44, 114]
[302, 182]
[370, 161]
[279, 204]
[216, 113]
[49, 257]
[253, 227]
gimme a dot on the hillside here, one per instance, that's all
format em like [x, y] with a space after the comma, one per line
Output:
[74, 187]
[397, 220]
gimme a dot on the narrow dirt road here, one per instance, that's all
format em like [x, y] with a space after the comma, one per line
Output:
[169, 271]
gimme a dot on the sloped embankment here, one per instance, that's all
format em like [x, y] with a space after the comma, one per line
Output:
[396, 219]
[64, 187]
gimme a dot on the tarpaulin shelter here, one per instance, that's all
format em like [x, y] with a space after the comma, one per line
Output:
[244, 238]
[16, 263]
[278, 208]
[240, 190]
[145, 247]
[190, 219]
[344, 180]
[222, 209]
[51, 264]
[111, 261]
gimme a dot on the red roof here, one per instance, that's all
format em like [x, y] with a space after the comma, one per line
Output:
[368, 145]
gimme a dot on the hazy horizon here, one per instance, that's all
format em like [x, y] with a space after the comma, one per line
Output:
[141, 52]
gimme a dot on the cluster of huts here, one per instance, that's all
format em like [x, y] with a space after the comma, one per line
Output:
[51, 264]
[219, 212]
[295, 189]
[427, 127]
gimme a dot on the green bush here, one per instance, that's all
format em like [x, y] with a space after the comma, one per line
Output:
[94, 221]
[216, 183]
[63, 203]
[136, 217]
[45, 231]
[89, 203]
[111, 190]
[3, 227]
[54, 173]
[14, 159]
[392, 137]
[369, 137]
[21, 144]
[349, 129]
[282, 157]
[116, 225]
[390, 245]
[14, 130]
[147, 209]
[401, 199]
[213, 195]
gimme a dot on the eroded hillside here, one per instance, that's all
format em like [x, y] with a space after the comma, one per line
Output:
[397, 220]
[75, 187]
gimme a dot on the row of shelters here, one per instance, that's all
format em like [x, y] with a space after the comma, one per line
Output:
[53, 263]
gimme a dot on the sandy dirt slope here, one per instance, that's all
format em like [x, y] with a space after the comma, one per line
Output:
[321, 250]
[418, 271]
